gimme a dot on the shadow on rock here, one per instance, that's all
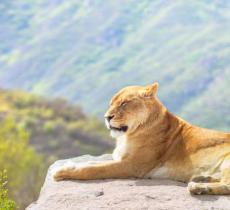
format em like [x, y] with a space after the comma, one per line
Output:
[157, 182]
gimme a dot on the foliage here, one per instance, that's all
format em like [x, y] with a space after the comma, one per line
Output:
[25, 168]
[55, 128]
[54, 125]
[5, 202]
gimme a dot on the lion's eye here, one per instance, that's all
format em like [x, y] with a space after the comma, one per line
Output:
[123, 103]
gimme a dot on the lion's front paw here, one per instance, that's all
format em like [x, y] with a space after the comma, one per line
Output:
[63, 172]
[59, 175]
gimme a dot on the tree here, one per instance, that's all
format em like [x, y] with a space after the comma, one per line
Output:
[24, 166]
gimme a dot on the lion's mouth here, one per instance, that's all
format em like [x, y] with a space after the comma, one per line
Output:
[122, 128]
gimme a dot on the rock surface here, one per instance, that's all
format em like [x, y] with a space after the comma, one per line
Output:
[120, 194]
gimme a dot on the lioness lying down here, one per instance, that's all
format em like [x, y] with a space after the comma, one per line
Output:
[152, 142]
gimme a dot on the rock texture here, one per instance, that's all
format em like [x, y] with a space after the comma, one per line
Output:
[120, 194]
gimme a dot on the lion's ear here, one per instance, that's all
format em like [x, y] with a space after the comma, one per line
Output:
[151, 90]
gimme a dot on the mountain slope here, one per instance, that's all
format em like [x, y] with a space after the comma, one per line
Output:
[87, 50]
[57, 129]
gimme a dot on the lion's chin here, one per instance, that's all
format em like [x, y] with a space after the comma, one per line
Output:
[116, 133]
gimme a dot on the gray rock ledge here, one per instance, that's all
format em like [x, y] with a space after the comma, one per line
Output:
[120, 194]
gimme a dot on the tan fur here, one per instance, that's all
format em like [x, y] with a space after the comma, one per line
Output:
[160, 144]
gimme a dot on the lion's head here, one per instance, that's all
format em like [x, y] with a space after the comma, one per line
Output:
[130, 108]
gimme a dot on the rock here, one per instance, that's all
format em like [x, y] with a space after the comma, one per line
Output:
[119, 194]
[99, 193]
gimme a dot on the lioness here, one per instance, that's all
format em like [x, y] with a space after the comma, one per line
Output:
[152, 142]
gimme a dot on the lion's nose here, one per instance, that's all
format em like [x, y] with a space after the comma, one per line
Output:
[109, 117]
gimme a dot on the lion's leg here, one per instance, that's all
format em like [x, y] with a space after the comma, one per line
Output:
[204, 179]
[225, 170]
[211, 185]
[203, 185]
[215, 188]
[109, 169]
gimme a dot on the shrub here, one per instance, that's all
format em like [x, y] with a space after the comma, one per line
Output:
[5, 202]
[24, 166]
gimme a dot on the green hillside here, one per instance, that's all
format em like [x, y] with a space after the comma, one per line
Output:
[87, 50]
[57, 129]
[35, 131]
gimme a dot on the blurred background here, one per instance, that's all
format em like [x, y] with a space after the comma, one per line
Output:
[62, 60]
